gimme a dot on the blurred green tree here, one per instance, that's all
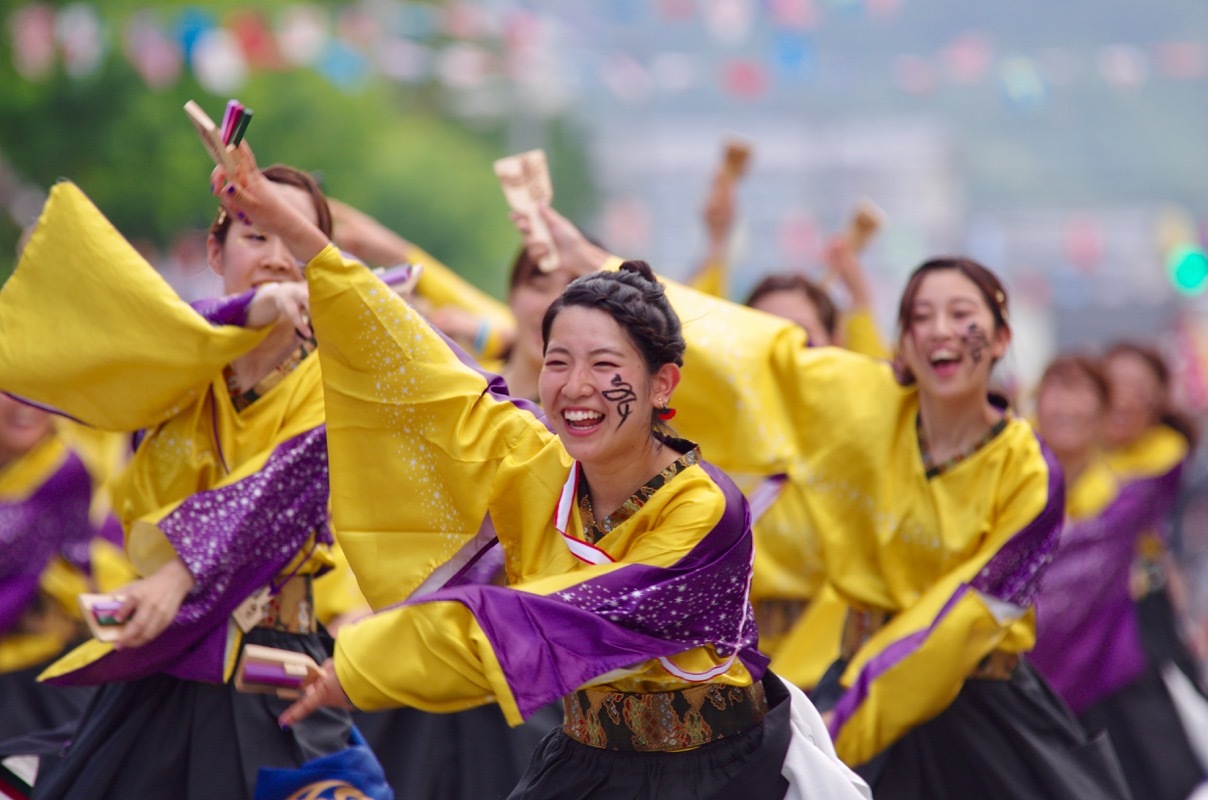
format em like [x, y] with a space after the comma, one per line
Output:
[385, 148]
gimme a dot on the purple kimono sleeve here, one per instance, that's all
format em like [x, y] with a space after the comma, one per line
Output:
[1088, 641]
[226, 310]
[234, 539]
[52, 521]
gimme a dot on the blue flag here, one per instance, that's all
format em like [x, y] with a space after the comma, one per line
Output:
[350, 774]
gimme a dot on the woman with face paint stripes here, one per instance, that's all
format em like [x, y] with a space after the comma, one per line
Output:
[628, 556]
[936, 509]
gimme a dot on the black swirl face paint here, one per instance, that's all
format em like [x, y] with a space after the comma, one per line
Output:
[623, 395]
[976, 342]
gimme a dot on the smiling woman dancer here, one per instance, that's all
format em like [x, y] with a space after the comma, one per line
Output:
[628, 556]
[226, 493]
[937, 510]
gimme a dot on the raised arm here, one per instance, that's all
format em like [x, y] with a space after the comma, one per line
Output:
[416, 435]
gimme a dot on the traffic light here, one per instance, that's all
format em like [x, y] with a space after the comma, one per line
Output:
[1188, 268]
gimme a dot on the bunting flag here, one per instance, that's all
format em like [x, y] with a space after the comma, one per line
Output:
[757, 48]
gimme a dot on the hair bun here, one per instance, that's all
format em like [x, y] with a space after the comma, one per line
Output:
[640, 268]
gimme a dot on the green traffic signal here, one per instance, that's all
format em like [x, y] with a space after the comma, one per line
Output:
[1188, 269]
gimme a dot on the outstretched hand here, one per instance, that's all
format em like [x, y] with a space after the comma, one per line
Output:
[149, 605]
[286, 300]
[321, 689]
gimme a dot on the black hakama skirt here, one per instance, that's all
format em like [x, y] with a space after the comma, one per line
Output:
[165, 737]
[27, 706]
[468, 755]
[747, 765]
[1149, 739]
[998, 740]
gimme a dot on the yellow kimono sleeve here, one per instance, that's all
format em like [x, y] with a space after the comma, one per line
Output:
[735, 367]
[812, 645]
[111, 569]
[861, 335]
[744, 395]
[415, 436]
[915, 666]
[90, 329]
[439, 659]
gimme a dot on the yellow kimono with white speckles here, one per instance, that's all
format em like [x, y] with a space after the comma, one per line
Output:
[421, 450]
[842, 429]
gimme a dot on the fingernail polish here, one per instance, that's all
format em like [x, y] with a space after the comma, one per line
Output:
[285, 727]
[230, 189]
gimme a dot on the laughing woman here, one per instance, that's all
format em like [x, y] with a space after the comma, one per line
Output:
[628, 556]
[937, 510]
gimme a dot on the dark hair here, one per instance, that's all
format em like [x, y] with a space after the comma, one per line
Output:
[523, 269]
[1077, 366]
[289, 176]
[987, 283]
[991, 288]
[635, 299]
[1167, 414]
[828, 315]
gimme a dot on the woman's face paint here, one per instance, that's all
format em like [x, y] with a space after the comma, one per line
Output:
[623, 396]
[975, 342]
[592, 380]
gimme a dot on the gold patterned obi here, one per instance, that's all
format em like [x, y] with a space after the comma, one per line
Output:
[662, 721]
[860, 625]
[292, 608]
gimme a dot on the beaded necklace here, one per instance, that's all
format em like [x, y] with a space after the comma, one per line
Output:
[594, 530]
[932, 468]
[241, 398]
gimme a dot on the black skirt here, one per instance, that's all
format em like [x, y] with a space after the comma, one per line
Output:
[999, 740]
[27, 706]
[1159, 625]
[165, 737]
[746, 766]
[469, 755]
[1149, 739]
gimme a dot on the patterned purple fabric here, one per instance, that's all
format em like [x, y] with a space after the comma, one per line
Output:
[550, 645]
[227, 310]
[1088, 644]
[52, 521]
[1012, 575]
[234, 540]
